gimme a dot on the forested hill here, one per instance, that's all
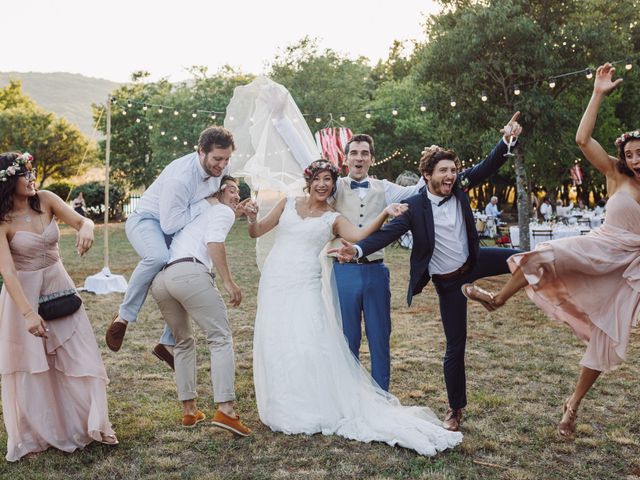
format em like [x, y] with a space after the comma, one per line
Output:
[67, 95]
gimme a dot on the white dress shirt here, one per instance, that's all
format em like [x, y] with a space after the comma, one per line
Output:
[393, 193]
[177, 196]
[211, 227]
[451, 247]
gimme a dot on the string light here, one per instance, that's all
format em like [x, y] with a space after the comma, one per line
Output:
[453, 102]
[194, 114]
[589, 74]
[423, 107]
[160, 110]
[129, 104]
[483, 96]
[628, 65]
[176, 113]
[516, 89]
[394, 111]
[552, 82]
[318, 119]
[342, 117]
[144, 107]
[138, 120]
[367, 115]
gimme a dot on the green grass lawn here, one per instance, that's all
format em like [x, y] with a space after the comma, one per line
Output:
[520, 367]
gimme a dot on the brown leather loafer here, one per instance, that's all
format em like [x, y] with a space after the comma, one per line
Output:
[115, 334]
[234, 425]
[453, 419]
[163, 354]
[192, 420]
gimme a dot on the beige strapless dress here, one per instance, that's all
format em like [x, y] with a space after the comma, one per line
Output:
[592, 282]
[54, 389]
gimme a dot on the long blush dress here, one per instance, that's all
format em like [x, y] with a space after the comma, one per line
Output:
[54, 389]
[592, 282]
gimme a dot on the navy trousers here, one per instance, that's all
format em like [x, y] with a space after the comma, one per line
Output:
[453, 310]
[364, 289]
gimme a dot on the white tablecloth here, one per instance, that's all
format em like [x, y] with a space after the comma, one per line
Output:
[543, 233]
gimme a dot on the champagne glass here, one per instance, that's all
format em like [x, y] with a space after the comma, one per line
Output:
[508, 131]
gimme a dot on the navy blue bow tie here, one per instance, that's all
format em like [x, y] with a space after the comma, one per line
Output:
[355, 184]
[445, 200]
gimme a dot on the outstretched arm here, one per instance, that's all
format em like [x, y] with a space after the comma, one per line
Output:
[592, 150]
[268, 223]
[346, 230]
[62, 211]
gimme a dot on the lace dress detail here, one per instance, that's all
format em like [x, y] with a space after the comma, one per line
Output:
[306, 379]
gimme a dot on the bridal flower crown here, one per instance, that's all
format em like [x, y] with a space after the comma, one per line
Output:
[627, 136]
[17, 166]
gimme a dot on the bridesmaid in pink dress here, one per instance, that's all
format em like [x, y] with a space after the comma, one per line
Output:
[53, 378]
[590, 282]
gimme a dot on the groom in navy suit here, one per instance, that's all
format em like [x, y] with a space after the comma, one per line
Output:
[446, 248]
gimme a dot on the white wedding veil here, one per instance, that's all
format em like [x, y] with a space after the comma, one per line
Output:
[273, 146]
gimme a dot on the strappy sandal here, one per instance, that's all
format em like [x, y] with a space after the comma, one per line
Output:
[110, 440]
[567, 426]
[479, 295]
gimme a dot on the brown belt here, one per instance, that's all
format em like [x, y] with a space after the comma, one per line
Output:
[466, 266]
[181, 260]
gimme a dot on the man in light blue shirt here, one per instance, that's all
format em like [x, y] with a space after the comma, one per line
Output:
[492, 208]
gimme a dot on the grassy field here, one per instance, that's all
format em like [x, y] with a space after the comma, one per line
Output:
[520, 367]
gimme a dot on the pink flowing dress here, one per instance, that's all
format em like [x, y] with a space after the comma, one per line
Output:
[54, 389]
[592, 282]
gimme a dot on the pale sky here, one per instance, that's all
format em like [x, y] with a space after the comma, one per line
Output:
[112, 38]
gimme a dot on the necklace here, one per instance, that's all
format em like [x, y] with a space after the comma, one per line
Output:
[26, 218]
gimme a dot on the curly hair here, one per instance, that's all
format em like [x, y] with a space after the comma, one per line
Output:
[8, 187]
[315, 168]
[620, 143]
[432, 155]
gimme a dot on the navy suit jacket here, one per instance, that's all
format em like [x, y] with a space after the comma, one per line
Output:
[419, 219]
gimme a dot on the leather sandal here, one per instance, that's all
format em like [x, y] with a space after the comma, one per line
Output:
[567, 426]
[479, 295]
[111, 440]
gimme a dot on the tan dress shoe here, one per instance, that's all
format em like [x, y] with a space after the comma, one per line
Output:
[453, 419]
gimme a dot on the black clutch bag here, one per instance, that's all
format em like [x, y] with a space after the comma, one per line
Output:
[59, 305]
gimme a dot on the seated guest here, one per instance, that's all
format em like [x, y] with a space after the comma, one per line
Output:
[547, 210]
[562, 211]
[600, 207]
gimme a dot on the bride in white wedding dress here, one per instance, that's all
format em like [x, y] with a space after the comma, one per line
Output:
[306, 379]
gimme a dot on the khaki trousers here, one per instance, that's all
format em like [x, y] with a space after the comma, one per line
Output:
[187, 290]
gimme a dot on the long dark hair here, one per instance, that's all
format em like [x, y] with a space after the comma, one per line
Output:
[8, 187]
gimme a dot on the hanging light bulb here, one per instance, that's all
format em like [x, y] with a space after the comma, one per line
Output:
[453, 102]
[162, 133]
[367, 115]
[194, 114]
[137, 120]
[129, 104]
[394, 111]
[423, 107]
[176, 112]
[150, 127]
[552, 83]
[342, 117]
[483, 96]
[213, 117]
[589, 74]
[318, 119]
[185, 142]
[516, 89]
[144, 107]
[628, 65]
[175, 138]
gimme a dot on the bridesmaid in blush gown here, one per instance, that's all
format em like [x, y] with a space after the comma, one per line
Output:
[306, 379]
[590, 282]
[53, 379]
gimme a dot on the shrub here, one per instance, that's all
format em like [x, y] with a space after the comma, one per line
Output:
[61, 189]
[93, 193]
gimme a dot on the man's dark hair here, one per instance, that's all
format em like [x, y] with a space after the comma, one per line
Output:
[361, 137]
[432, 155]
[215, 137]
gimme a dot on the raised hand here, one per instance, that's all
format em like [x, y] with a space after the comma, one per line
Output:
[346, 253]
[604, 82]
[512, 129]
[396, 209]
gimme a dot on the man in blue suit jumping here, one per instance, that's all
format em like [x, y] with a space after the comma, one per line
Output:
[446, 248]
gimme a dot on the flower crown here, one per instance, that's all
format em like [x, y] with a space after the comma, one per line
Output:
[16, 166]
[318, 166]
[627, 136]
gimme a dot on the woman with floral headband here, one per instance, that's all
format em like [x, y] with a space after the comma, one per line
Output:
[306, 378]
[53, 379]
[590, 282]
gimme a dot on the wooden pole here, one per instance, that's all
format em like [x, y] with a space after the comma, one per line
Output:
[106, 185]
